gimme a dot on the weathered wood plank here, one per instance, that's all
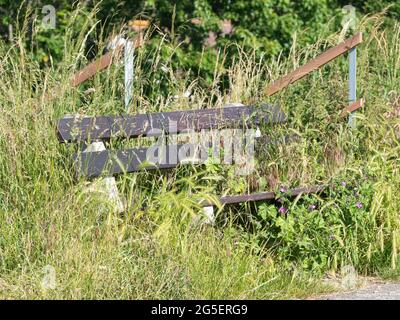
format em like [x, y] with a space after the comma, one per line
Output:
[91, 69]
[263, 196]
[155, 124]
[355, 105]
[314, 64]
[114, 162]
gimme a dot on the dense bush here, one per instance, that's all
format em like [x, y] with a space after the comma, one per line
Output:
[200, 27]
[320, 234]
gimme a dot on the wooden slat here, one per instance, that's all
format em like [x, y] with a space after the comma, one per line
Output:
[253, 197]
[84, 129]
[352, 107]
[115, 162]
[109, 162]
[314, 64]
[355, 105]
[100, 64]
[91, 69]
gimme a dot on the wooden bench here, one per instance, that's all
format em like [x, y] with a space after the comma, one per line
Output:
[92, 164]
[104, 163]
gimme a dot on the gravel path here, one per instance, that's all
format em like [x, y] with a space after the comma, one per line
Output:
[376, 291]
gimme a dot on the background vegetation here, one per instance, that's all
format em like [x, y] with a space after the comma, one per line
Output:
[154, 249]
[199, 30]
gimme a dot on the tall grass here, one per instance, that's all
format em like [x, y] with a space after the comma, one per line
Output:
[153, 250]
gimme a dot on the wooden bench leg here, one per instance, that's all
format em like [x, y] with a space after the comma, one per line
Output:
[208, 211]
[108, 185]
[207, 218]
[209, 215]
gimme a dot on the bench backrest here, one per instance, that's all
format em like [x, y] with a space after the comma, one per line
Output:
[112, 162]
[154, 124]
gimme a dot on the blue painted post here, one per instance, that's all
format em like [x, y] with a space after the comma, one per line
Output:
[129, 59]
[352, 83]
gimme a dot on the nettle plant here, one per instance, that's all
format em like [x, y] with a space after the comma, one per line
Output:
[320, 232]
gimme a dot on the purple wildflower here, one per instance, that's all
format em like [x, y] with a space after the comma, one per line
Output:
[312, 207]
[344, 184]
[283, 189]
[282, 210]
[359, 205]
